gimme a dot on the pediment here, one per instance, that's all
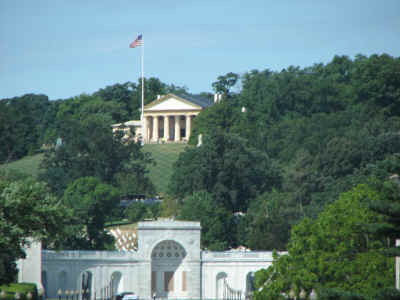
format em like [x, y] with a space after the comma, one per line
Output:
[171, 102]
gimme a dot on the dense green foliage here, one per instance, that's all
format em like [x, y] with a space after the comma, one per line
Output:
[324, 129]
[333, 251]
[21, 125]
[85, 165]
[93, 203]
[218, 233]
[22, 289]
[228, 168]
[27, 210]
[140, 211]
[30, 122]
[89, 148]
[389, 207]
[283, 165]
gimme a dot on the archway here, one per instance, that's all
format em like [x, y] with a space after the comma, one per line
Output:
[168, 274]
[86, 284]
[62, 281]
[44, 282]
[116, 283]
[220, 285]
[250, 278]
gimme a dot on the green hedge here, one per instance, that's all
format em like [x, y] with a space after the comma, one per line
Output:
[22, 288]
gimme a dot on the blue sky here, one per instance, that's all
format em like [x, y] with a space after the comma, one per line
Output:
[65, 48]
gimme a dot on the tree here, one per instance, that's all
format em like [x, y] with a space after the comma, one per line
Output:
[389, 207]
[89, 148]
[225, 83]
[225, 166]
[20, 125]
[93, 203]
[217, 223]
[377, 82]
[267, 221]
[27, 210]
[121, 94]
[220, 117]
[139, 211]
[86, 106]
[332, 252]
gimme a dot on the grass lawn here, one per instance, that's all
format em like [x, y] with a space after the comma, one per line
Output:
[28, 165]
[164, 155]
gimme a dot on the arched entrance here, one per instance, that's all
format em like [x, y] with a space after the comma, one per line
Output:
[168, 272]
[44, 282]
[116, 283]
[62, 281]
[220, 285]
[250, 285]
[86, 284]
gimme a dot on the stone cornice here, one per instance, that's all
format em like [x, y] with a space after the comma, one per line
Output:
[175, 225]
[163, 98]
[89, 255]
[171, 112]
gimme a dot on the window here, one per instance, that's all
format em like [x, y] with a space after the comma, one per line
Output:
[184, 281]
[169, 281]
[153, 281]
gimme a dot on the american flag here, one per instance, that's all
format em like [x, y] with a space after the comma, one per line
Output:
[136, 43]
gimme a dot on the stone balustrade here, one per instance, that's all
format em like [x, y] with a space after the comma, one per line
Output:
[238, 256]
[88, 255]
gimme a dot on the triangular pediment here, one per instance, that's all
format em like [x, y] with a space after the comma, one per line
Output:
[171, 102]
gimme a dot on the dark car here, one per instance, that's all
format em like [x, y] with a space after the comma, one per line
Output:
[121, 295]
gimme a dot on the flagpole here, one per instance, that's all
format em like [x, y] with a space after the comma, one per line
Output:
[142, 116]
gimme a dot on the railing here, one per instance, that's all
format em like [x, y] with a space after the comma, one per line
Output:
[230, 293]
[237, 255]
[74, 254]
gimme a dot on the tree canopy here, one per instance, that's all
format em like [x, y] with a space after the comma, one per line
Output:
[333, 251]
[27, 211]
[324, 128]
[228, 168]
[89, 148]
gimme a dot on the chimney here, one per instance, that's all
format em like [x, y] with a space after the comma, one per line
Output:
[217, 97]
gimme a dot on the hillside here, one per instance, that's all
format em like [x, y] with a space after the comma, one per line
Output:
[164, 156]
[27, 165]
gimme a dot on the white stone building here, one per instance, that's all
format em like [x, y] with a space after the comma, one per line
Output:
[168, 264]
[167, 119]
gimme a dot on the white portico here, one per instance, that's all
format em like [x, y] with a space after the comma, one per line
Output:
[170, 117]
[167, 119]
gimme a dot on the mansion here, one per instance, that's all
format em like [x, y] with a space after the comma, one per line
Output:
[167, 119]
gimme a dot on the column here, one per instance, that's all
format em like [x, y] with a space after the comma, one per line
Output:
[188, 126]
[177, 128]
[166, 128]
[148, 128]
[155, 128]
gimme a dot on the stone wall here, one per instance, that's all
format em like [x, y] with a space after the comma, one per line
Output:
[168, 264]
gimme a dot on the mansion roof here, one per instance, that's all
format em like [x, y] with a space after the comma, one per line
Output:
[185, 98]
